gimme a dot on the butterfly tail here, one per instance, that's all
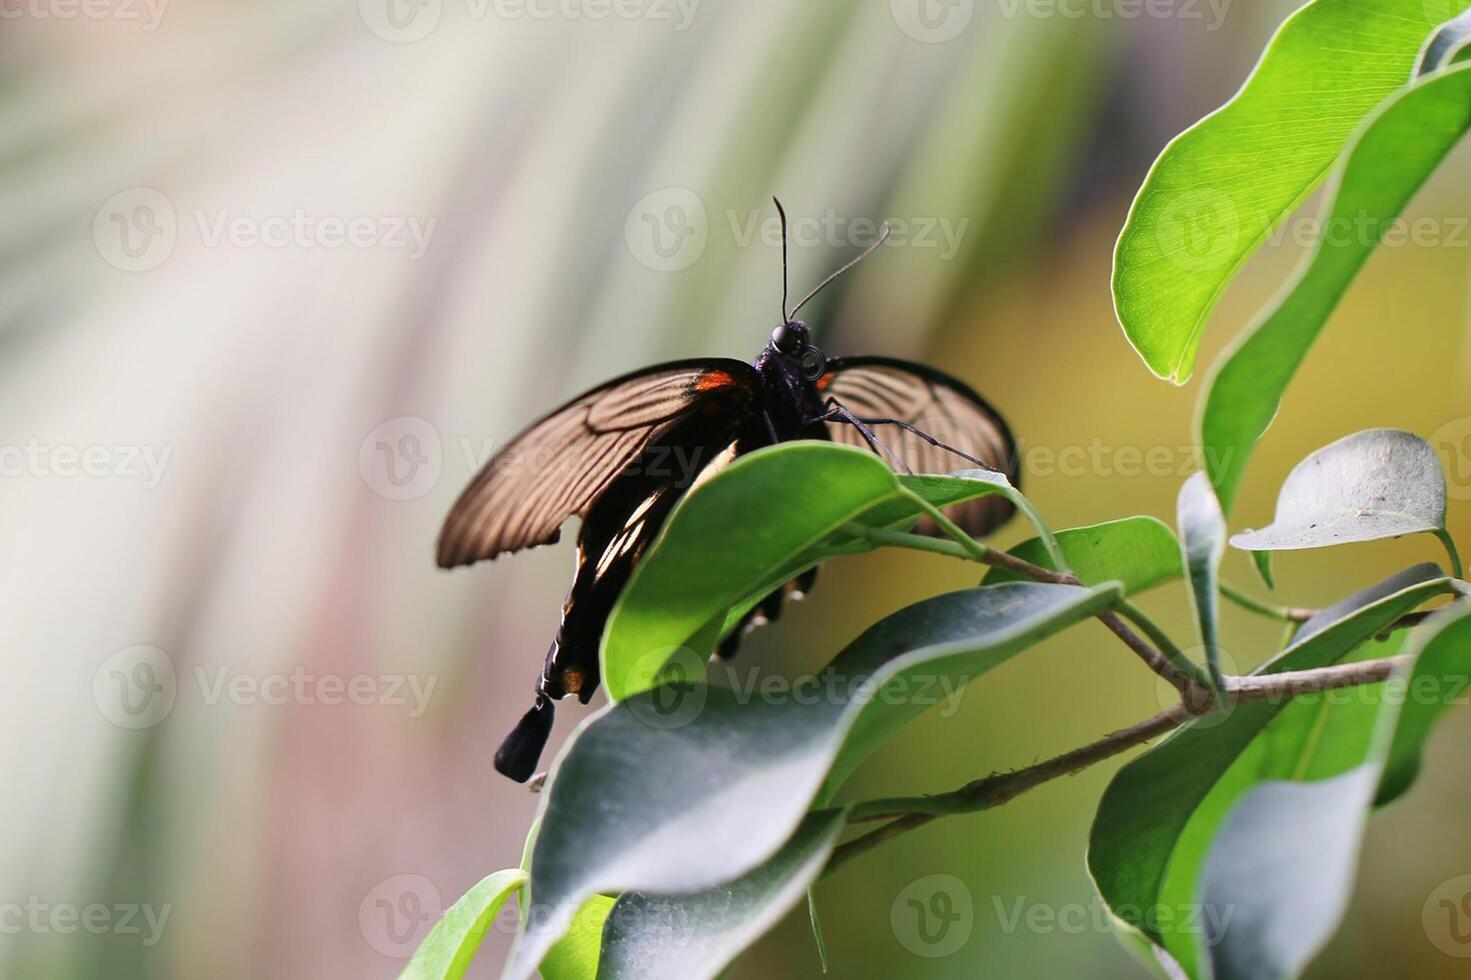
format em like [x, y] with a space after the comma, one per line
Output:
[519, 753]
[571, 668]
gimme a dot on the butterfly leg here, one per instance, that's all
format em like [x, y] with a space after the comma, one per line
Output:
[770, 427]
[768, 611]
[835, 412]
[908, 427]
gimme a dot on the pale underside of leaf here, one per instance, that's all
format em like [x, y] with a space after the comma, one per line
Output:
[1380, 483]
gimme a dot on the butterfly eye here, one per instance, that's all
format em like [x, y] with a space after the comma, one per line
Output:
[789, 337]
[813, 363]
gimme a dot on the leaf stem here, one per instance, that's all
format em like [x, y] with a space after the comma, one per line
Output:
[817, 929]
[1450, 548]
[914, 542]
[1282, 613]
[1182, 673]
[979, 550]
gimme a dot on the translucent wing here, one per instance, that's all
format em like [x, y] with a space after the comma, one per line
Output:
[560, 465]
[942, 406]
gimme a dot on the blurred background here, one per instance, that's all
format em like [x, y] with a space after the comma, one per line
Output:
[277, 278]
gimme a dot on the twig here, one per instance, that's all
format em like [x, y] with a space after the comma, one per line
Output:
[1287, 685]
[1194, 684]
[906, 813]
[1155, 660]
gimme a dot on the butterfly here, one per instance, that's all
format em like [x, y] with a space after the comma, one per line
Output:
[620, 456]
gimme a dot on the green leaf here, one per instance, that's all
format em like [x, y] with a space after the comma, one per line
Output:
[1284, 854]
[1310, 738]
[685, 937]
[1202, 543]
[1159, 815]
[1262, 562]
[447, 951]
[959, 637]
[753, 526]
[1219, 188]
[1287, 851]
[1380, 483]
[726, 539]
[575, 955]
[1390, 158]
[1445, 642]
[1137, 552]
[690, 785]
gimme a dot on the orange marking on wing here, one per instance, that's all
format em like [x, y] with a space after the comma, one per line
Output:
[711, 380]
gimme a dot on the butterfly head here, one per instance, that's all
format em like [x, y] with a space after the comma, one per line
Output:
[792, 340]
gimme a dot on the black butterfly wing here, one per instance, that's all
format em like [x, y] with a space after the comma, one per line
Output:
[560, 465]
[944, 407]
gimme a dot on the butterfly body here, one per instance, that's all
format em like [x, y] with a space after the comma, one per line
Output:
[789, 395]
[640, 442]
[622, 455]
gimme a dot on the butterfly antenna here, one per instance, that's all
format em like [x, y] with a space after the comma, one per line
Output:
[883, 236]
[782, 211]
